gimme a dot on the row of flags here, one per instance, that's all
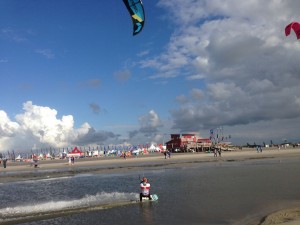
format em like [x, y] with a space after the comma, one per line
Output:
[218, 136]
[54, 151]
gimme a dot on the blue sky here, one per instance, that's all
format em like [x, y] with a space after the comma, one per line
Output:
[71, 73]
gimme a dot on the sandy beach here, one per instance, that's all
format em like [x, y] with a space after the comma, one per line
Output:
[58, 167]
[18, 171]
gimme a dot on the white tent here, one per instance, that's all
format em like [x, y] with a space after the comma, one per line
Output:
[137, 151]
[154, 148]
[62, 155]
[19, 158]
[48, 156]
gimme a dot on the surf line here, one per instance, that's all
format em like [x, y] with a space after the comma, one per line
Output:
[52, 209]
[36, 216]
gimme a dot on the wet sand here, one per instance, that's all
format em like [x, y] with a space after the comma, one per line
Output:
[20, 171]
[283, 217]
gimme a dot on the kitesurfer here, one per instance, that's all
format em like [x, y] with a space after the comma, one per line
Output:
[145, 189]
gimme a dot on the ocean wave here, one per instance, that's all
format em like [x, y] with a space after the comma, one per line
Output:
[51, 209]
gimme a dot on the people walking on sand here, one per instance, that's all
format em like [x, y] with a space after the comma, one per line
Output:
[215, 152]
[220, 151]
[169, 153]
[34, 162]
[4, 162]
[72, 160]
[165, 154]
[260, 149]
[124, 155]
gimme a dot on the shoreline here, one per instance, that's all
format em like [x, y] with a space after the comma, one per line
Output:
[289, 216]
[111, 164]
[21, 171]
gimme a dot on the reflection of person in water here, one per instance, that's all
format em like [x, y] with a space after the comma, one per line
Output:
[145, 189]
[146, 212]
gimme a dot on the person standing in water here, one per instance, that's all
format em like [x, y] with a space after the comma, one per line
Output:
[145, 189]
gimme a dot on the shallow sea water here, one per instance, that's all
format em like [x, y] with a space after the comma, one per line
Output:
[214, 193]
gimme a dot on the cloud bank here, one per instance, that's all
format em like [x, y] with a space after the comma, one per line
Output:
[247, 70]
[39, 126]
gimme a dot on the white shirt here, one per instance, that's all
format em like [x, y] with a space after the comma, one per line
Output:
[145, 187]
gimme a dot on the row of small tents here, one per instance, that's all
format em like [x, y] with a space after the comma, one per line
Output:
[77, 153]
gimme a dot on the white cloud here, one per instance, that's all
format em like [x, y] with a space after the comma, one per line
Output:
[196, 93]
[150, 122]
[18, 36]
[42, 124]
[149, 129]
[196, 77]
[38, 126]
[181, 99]
[249, 69]
[7, 127]
[222, 91]
[143, 53]
[48, 53]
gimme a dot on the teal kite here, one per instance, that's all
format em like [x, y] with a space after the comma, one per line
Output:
[136, 10]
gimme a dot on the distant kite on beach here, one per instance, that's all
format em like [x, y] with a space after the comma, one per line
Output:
[295, 26]
[136, 10]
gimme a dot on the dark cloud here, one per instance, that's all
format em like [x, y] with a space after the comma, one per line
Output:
[150, 124]
[249, 70]
[95, 108]
[94, 137]
[133, 133]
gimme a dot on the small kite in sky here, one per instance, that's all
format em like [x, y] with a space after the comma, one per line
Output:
[136, 10]
[295, 26]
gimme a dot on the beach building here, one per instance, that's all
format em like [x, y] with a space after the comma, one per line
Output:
[188, 142]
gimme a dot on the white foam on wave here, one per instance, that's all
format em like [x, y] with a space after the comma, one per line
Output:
[47, 178]
[102, 198]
